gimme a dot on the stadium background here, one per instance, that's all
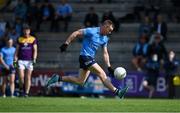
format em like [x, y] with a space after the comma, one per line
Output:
[50, 60]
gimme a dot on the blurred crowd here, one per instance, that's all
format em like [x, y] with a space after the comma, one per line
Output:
[151, 56]
[37, 12]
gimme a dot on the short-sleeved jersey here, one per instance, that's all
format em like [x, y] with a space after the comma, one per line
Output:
[26, 47]
[64, 9]
[92, 40]
[7, 54]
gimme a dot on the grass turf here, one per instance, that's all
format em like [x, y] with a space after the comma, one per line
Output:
[59, 104]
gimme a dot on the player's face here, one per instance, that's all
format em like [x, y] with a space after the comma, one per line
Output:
[27, 32]
[10, 43]
[108, 29]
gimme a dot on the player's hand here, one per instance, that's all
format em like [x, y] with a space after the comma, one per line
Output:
[111, 71]
[63, 47]
[34, 61]
[7, 68]
[15, 64]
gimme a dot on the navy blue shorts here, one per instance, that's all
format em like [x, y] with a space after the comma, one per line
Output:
[86, 61]
[6, 72]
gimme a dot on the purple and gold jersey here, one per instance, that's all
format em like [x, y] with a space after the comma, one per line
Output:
[26, 47]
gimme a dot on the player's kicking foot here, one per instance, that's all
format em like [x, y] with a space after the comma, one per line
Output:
[122, 92]
[55, 78]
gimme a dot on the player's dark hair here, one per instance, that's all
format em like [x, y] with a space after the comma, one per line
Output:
[26, 26]
[7, 39]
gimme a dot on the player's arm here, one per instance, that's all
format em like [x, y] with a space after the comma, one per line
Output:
[107, 61]
[34, 53]
[74, 35]
[3, 63]
[106, 56]
[16, 53]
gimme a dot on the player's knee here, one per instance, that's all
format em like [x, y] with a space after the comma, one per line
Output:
[21, 81]
[11, 82]
[21, 78]
[81, 82]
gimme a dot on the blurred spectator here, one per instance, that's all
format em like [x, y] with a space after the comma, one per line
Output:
[152, 67]
[152, 5]
[140, 53]
[91, 18]
[18, 25]
[8, 70]
[63, 13]
[25, 58]
[145, 27]
[21, 10]
[13, 35]
[156, 55]
[160, 27]
[171, 66]
[110, 16]
[34, 13]
[157, 47]
[4, 28]
[6, 4]
[139, 10]
[154, 36]
[46, 14]
[1, 30]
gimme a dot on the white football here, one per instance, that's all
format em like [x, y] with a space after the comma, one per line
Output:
[120, 73]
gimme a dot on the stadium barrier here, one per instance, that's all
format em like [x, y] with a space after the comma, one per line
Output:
[93, 85]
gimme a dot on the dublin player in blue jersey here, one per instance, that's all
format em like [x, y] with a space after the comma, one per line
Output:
[93, 38]
[7, 68]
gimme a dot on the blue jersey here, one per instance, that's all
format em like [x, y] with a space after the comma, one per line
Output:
[8, 55]
[91, 41]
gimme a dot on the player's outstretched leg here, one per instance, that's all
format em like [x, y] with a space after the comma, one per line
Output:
[95, 68]
[55, 78]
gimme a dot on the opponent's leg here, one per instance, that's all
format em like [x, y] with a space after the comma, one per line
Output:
[21, 81]
[28, 81]
[149, 88]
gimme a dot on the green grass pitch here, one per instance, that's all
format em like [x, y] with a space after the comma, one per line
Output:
[60, 104]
